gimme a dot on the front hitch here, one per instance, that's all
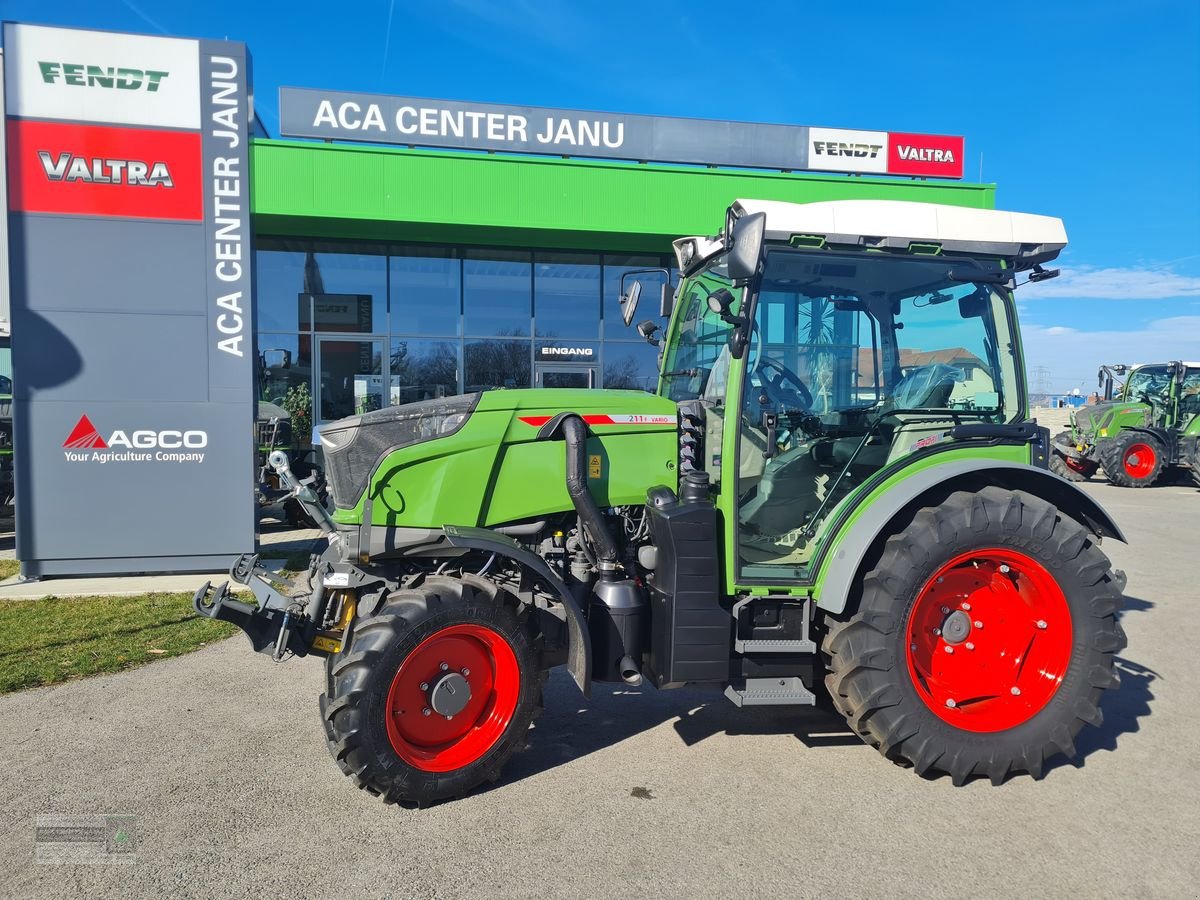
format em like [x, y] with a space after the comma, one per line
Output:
[277, 623]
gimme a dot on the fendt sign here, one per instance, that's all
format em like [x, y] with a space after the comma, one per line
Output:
[130, 261]
[340, 115]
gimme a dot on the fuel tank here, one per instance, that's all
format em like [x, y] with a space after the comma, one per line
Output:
[483, 459]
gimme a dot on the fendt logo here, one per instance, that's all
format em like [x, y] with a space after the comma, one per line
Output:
[837, 148]
[69, 167]
[117, 78]
[85, 443]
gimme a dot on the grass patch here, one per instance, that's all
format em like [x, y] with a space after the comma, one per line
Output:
[59, 638]
[9, 568]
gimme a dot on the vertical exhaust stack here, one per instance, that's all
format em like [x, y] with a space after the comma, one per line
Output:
[617, 608]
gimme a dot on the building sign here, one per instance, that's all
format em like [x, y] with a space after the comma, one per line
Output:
[340, 115]
[132, 316]
[565, 353]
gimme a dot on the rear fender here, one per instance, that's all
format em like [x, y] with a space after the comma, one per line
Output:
[579, 647]
[928, 488]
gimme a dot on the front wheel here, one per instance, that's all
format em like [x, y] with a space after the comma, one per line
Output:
[433, 692]
[1132, 459]
[983, 639]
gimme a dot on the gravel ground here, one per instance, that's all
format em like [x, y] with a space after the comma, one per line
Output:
[220, 757]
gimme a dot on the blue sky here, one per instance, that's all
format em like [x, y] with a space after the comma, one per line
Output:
[1088, 111]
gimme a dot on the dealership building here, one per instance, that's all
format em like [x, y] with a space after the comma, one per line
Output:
[383, 249]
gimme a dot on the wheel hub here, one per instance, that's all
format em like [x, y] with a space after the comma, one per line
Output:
[449, 694]
[956, 628]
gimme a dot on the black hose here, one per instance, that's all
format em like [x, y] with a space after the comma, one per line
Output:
[574, 433]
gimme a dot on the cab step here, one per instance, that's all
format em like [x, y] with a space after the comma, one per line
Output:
[771, 692]
[751, 645]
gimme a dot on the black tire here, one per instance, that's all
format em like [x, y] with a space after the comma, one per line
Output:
[870, 681]
[1115, 455]
[358, 679]
[1060, 467]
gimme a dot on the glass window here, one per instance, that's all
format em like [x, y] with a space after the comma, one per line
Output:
[423, 370]
[351, 377]
[698, 363]
[496, 364]
[1146, 382]
[497, 292]
[566, 295]
[426, 286]
[346, 281]
[615, 265]
[631, 367]
[284, 362]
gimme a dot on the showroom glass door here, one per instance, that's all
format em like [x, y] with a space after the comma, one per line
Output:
[350, 377]
[565, 376]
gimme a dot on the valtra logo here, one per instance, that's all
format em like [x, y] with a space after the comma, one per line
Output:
[85, 444]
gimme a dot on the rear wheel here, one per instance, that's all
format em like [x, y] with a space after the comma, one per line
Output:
[431, 694]
[1132, 459]
[983, 640]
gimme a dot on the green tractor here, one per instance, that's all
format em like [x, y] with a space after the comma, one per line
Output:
[1152, 424]
[834, 494]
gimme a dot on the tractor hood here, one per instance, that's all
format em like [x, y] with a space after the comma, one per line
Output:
[426, 461]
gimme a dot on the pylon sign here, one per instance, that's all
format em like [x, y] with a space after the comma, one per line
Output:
[130, 258]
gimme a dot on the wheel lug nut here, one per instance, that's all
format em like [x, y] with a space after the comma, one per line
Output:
[949, 649]
[448, 718]
[1016, 691]
[1004, 569]
[937, 631]
[444, 667]
[966, 607]
[950, 703]
[424, 685]
[466, 672]
[1041, 623]
[977, 624]
[970, 646]
[945, 610]
[426, 711]
[941, 579]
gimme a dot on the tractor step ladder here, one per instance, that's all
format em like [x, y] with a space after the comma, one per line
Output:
[787, 691]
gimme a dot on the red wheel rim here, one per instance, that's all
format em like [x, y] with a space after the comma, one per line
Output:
[437, 743]
[1076, 465]
[988, 640]
[1139, 460]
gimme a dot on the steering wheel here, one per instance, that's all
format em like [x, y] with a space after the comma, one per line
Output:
[785, 387]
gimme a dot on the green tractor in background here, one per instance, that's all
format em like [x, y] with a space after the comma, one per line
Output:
[1152, 424]
[834, 492]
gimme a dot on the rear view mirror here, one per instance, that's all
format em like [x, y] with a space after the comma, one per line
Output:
[666, 302]
[629, 302]
[973, 306]
[277, 359]
[745, 245]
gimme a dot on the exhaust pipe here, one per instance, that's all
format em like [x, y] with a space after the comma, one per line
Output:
[629, 671]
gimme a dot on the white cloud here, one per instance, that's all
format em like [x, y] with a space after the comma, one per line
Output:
[1091, 283]
[1073, 356]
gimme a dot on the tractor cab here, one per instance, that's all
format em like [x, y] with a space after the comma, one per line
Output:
[836, 356]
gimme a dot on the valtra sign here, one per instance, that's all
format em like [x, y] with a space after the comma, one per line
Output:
[130, 256]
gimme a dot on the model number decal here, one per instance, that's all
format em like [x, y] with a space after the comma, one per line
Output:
[539, 421]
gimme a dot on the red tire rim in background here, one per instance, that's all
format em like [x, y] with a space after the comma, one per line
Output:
[1139, 460]
[433, 742]
[988, 640]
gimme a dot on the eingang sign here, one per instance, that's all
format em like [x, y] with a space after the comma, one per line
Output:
[456, 124]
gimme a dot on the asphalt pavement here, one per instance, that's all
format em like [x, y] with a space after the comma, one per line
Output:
[220, 757]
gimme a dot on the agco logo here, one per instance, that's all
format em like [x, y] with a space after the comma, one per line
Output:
[85, 443]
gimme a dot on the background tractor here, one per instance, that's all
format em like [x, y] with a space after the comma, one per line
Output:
[834, 491]
[1151, 426]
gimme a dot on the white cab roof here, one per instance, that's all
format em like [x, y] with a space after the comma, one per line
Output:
[900, 222]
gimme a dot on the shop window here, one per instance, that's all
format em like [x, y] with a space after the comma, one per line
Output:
[496, 364]
[566, 295]
[426, 290]
[630, 366]
[284, 362]
[497, 290]
[325, 286]
[422, 370]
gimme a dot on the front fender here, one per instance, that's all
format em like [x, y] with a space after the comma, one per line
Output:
[579, 647]
[841, 569]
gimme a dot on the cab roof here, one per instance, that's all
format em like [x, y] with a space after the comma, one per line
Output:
[897, 224]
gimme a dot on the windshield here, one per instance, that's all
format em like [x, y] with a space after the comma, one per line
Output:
[1153, 381]
[855, 362]
[697, 362]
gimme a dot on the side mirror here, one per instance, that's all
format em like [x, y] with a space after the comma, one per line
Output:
[629, 302]
[277, 359]
[647, 330]
[666, 303]
[745, 245]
